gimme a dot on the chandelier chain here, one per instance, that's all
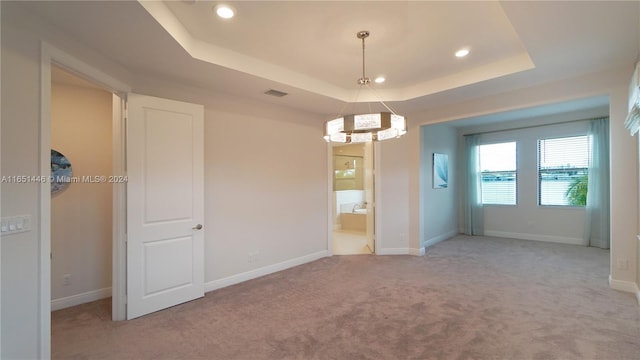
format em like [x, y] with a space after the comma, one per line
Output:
[364, 79]
[363, 72]
[380, 99]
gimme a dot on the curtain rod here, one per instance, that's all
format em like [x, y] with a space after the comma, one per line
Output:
[536, 126]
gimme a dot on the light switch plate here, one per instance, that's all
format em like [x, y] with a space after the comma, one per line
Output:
[15, 224]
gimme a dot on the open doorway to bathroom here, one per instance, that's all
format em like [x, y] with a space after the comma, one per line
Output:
[353, 183]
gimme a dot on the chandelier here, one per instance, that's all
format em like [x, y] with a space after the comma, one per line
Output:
[359, 128]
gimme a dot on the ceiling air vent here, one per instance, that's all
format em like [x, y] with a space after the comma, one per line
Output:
[275, 93]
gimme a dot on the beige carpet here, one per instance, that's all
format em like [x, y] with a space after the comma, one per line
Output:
[468, 298]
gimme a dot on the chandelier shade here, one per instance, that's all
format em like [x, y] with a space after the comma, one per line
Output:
[365, 127]
[358, 128]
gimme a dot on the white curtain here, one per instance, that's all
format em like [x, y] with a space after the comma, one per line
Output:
[597, 210]
[632, 123]
[473, 211]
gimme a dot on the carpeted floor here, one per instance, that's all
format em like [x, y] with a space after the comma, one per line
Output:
[468, 298]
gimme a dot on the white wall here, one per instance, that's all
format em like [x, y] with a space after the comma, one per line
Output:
[392, 181]
[81, 214]
[439, 207]
[20, 115]
[0, 183]
[267, 196]
[624, 191]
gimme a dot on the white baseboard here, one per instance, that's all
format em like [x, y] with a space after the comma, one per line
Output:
[536, 237]
[266, 270]
[401, 251]
[393, 251]
[439, 238]
[626, 286]
[78, 299]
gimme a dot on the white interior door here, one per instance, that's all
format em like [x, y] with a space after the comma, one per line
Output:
[165, 203]
[369, 194]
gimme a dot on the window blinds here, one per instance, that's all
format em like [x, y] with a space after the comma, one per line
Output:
[563, 165]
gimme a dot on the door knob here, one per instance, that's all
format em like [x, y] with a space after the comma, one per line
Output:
[197, 227]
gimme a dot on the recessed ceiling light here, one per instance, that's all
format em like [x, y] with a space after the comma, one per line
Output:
[462, 53]
[379, 79]
[225, 11]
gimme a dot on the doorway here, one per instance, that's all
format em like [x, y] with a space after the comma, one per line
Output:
[352, 194]
[120, 207]
[81, 193]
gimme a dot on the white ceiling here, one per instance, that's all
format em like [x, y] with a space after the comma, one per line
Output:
[313, 45]
[310, 50]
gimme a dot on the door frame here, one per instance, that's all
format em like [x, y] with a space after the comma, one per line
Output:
[376, 199]
[51, 55]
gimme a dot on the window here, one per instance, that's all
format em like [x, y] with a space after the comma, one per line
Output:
[499, 173]
[563, 171]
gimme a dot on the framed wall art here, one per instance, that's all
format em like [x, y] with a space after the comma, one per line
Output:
[61, 171]
[440, 171]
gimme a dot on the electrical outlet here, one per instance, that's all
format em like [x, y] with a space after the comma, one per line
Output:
[253, 256]
[623, 264]
[66, 279]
